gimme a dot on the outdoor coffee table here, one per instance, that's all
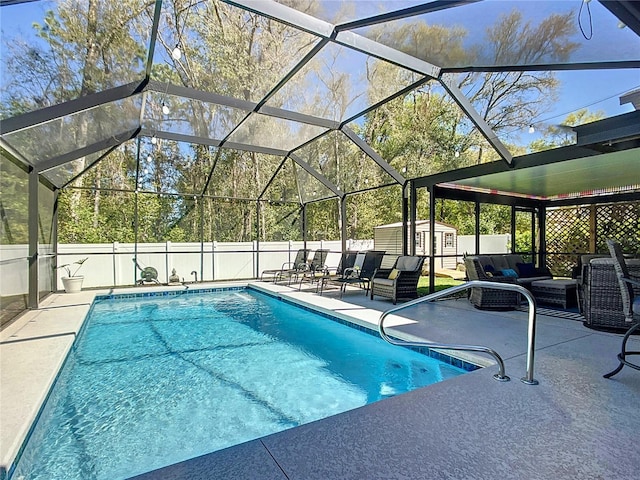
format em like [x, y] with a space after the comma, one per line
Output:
[555, 291]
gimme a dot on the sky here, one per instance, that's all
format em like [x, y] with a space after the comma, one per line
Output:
[593, 89]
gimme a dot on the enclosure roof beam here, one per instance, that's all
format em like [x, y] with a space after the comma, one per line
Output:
[400, 93]
[288, 16]
[247, 106]
[364, 146]
[307, 23]
[88, 167]
[153, 38]
[544, 67]
[388, 54]
[114, 140]
[463, 102]
[266, 187]
[15, 156]
[317, 175]
[69, 108]
[422, 9]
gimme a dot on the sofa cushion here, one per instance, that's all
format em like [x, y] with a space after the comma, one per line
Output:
[526, 269]
[384, 281]
[509, 272]
[408, 264]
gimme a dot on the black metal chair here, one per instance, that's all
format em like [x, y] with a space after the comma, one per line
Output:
[288, 268]
[312, 271]
[631, 305]
[360, 276]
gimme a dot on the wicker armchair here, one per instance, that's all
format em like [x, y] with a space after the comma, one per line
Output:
[626, 283]
[401, 281]
[486, 298]
[601, 301]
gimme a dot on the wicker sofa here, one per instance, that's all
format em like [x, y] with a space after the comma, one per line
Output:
[490, 268]
[526, 272]
[599, 293]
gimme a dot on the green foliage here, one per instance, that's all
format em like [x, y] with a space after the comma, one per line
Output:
[169, 189]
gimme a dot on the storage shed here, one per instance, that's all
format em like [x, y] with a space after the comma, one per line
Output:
[389, 238]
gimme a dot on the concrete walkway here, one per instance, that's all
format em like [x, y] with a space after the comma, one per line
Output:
[574, 424]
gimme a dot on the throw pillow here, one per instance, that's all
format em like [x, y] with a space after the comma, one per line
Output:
[394, 274]
[526, 269]
[509, 272]
[489, 269]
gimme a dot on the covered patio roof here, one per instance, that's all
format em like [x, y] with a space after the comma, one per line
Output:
[604, 161]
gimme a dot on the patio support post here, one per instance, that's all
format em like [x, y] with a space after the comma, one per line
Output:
[413, 212]
[432, 229]
[405, 219]
[303, 224]
[513, 229]
[201, 213]
[33, 240]
[542, 222]
[257, 264]
[54, 234]
[135, 213]
[343, 226]
[477, 226]
[533, 234]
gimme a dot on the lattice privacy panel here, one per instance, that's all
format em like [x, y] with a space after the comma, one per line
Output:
[620, 221]
[570, 233]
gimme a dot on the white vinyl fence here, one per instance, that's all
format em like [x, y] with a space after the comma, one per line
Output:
[112, 264]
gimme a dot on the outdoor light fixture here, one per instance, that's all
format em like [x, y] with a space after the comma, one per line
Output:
[149, 159]
[531, 129]
[457, 154]
[154, 140]
[165, 109]
[176, 53]
[621, 25]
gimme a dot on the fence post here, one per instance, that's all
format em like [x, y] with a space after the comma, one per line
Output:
[114, 250]
[167, 249]
[255, 259]
[214, 244]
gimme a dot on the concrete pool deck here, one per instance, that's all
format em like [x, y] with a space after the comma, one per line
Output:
[574, 424]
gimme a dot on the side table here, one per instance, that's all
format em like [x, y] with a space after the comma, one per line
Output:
[555, 291]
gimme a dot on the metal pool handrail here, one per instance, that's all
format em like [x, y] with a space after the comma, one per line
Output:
[500, 376]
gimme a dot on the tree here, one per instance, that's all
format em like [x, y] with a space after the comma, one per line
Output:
[554, 136]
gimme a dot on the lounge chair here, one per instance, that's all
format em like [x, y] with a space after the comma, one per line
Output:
[630, 303]
[347, 262]
[297, 264]
[400, 281]
[360, 276]
[314, 269]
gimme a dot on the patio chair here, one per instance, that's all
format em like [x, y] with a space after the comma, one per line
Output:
[487, 298]
[361, 276]
[297, 264]
[400, 281]
[347, 263]
[631, 305]
[313, 270]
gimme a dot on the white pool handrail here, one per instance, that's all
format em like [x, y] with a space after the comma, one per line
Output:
[500, 376]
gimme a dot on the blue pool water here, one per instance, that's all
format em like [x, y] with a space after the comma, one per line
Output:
[157, 380]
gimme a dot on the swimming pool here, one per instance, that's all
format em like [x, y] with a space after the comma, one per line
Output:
[156, 380]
